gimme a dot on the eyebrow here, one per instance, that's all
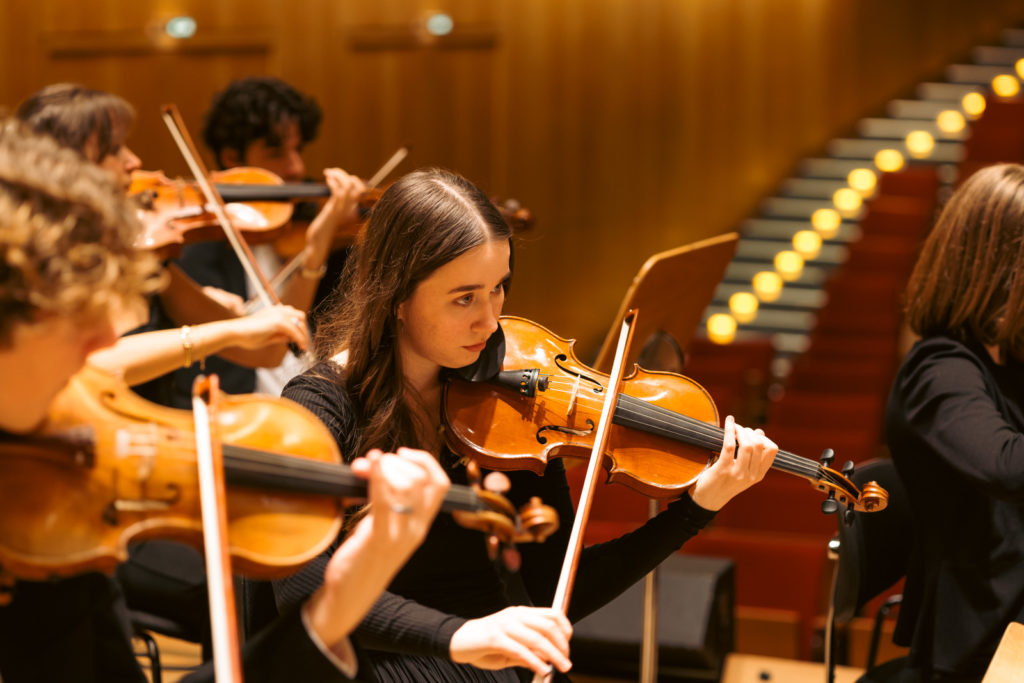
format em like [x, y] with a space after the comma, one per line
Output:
[470, 288]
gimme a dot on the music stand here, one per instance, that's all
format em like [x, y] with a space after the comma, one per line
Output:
[671, 291]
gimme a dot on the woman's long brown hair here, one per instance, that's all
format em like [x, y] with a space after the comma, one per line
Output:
[423, 221]
[969, 279]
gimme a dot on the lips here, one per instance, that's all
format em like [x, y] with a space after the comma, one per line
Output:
[476, 348]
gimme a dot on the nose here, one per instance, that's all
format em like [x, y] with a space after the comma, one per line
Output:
[130, 161]
[489, 321]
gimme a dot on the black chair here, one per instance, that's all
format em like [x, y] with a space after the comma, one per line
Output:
[873, 554]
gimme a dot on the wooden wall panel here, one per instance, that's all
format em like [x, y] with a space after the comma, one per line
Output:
[627, 126]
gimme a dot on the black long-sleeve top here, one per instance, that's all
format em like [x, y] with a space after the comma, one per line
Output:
[954, 425]
[449, 579]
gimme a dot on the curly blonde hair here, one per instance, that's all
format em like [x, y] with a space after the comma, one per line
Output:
[67, 234]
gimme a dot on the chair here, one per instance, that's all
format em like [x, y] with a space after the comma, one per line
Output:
[874, 551]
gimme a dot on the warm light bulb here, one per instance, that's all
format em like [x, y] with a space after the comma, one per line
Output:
[721, 328]
[950, 121]
[920, 143]
[807, 243]
[743, 306]
[973, 104]
[1019, 67]
[847, 200]
[789, 265]
[888, 160]
[767, 286]
[826, 221]
[1005, 85]
[863, 180]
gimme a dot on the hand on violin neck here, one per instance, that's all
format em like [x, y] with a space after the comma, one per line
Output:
[746, 456]
[340, 210]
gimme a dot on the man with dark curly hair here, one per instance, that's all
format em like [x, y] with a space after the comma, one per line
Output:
[265, 122]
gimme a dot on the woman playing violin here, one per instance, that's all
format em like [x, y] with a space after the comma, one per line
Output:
[955, 426]
[67, 262]
[421, 297]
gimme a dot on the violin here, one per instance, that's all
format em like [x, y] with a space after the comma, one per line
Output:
[259, 203]
[174, 212]
[545, 403]
[109, 468]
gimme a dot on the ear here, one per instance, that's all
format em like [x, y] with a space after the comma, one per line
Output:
[229, 158]
[400, 313]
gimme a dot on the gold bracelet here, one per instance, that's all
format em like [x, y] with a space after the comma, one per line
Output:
[314, 273]
[186, 344]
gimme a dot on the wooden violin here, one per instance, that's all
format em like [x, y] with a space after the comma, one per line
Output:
[545, 403]
[109, 468]
[259, 203]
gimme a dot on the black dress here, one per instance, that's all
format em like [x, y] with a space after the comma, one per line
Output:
[955, 425]
[450, 579]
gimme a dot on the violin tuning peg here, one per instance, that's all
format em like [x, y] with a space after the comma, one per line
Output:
[497, 482]
[493, 546]
[827, 456]
[848, 469]
[830, 505]
[472, 472]
[848, 516]
[511, 559]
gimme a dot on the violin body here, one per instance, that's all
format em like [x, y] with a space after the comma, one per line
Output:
[545, 403]
[565, 416]
[174, 212]
[74, 504]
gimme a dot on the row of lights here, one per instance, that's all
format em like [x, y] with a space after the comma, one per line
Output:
[846, 202]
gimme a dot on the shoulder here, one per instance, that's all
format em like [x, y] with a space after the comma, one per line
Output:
[942, 365]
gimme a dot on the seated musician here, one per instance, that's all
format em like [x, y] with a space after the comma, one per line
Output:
[266, 123]
[97, 124]
[421, 298]
[67, 265]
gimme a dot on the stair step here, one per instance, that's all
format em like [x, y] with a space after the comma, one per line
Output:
[997, 54]
[898, 129]
[975, 74]
[953, 92]
[855, 148]
[780, 229]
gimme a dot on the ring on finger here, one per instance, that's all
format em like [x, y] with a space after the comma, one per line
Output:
[401, 509]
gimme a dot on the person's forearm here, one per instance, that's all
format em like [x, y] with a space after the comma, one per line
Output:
[141, 357]
[352, 586]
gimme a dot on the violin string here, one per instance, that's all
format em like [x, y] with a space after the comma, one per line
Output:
[290, 468]
[690, 430]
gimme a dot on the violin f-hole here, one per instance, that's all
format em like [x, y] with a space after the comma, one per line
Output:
[565, 430]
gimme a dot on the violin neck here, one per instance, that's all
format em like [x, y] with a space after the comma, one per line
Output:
[646, 417]
[235, 192]
[267, 470]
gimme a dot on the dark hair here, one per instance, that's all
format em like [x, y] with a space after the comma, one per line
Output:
[423, 221]
[251, 109]
[969, 279]
[67, 234]
[72, 114]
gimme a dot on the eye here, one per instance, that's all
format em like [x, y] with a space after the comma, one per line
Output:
[464, 300]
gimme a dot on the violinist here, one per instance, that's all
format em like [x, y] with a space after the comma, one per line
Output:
[955, 426]
[420, 299]
[67, 262]
[265, 122]
[96, 124]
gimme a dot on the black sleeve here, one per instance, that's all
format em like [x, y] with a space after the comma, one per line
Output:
[951, 407]
[393, 623]
[607, 569]
[281, 653]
